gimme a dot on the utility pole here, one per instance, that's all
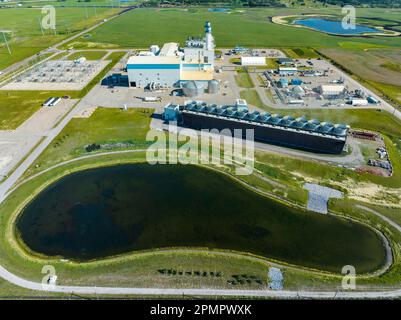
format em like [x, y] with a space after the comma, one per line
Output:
[5, 40]
[86, 12]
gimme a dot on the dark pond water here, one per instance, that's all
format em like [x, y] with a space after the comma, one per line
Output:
[112, 210]
[218, 10]
[333, 26]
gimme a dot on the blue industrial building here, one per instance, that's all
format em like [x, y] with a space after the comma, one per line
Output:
[296, 81]
[173, 66]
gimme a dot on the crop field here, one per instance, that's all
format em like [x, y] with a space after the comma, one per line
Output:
[301, 53]
[380, 65]
[229, 29]
[24, 32]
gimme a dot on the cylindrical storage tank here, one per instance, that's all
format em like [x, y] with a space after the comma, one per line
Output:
[190, 89]
[213, 87]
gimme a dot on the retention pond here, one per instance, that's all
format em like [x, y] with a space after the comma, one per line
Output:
[106, 211]
[335, 27]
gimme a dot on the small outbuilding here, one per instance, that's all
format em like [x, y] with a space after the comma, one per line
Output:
[287, 70]
[253, 61]
[296, 81]
[171, 112]
[285, 61]
[333, 90]
[283, 82]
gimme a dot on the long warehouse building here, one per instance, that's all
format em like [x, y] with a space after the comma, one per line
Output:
[300, 133]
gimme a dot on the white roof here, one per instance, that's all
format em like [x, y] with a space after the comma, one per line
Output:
[332, 88]
[153, 60]
[255, 61]
[169, 49]
[146, 53]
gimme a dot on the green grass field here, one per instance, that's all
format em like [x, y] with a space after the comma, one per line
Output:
[252, 97]
[229, 29]
[17, 106]
[25, 37]
[243, 80]
[72, 3]
[301, 53]
[89, 55]
[105, 126]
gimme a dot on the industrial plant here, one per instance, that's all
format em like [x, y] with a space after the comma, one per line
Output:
[300, 133]
[190, 68]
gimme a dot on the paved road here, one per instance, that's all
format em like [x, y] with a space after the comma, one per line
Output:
[389, 221]
[384, 104]
[196, 292]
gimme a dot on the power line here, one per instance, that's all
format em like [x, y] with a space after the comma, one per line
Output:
[5, 40]
[41, 28]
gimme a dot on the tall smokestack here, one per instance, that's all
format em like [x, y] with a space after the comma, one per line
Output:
[209, 37]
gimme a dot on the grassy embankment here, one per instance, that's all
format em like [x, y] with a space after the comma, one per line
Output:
[141, 269]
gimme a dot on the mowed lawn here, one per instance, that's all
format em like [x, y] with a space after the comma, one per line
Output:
[17, 106]
[244, 80]
[24, 32]
[104, 126]
[247, 27]
[89, 55]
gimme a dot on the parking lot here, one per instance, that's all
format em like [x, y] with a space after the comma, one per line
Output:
[303, 87]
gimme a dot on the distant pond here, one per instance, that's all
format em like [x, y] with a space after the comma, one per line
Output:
[334, 27]
[218, 10]
[106, 211]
